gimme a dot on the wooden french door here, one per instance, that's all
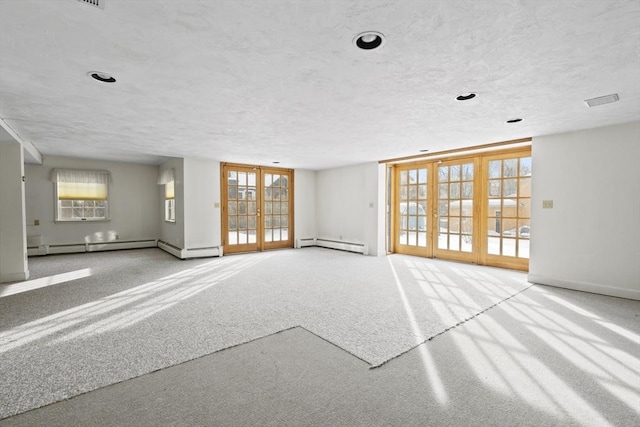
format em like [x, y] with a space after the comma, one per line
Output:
[257, 208]
[473, 209]
[412, 210]
[506, 210]
[456, 210]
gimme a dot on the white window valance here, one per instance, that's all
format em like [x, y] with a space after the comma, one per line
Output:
[166, 176]
[81, 176]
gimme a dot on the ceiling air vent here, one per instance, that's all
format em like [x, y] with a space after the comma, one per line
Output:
[95, 3]
[601, 100]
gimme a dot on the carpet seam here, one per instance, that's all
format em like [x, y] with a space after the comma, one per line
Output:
[451, 327]
[152, 372]
[188, 361]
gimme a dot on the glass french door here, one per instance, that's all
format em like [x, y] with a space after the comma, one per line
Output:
[412, 211]
[257, 208]
[474, 209]
[507, 210]
[456, 210]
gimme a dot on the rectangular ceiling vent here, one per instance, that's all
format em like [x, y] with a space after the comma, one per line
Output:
[95, 3]
[601, 100]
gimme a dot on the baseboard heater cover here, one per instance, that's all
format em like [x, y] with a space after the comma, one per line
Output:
[186, 253]
[74, 248]
[360, 248]
[305, 242]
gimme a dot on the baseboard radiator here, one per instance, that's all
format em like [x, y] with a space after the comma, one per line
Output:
[36, 248]
[186, 253]
[360, 248]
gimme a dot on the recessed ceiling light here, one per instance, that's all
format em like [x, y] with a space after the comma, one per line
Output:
[276, 163]
[466, 96]
[514, 120]
[423, 151]
[102, 77]
[369, 40]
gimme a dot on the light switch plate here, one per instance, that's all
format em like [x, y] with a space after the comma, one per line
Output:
[547, 204]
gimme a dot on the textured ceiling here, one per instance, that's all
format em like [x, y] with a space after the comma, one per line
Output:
[262, 81]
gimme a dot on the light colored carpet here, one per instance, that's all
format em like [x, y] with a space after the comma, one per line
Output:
[546, 357]
[143, 310]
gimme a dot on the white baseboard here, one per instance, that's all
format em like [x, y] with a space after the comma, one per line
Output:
[14, 277]
[186, 253]
[75, 248]
[595, 288]
[360, 248]
[118, 245]
[305, 242]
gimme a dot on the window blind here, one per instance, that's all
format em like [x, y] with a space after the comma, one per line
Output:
[166, 176]
[79, 176]
[81, 191]
[169, 190]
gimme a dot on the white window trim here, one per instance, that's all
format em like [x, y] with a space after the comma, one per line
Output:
[80, 176]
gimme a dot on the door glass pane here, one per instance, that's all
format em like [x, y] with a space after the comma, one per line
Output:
[495, 188]
[495, 169]
[494, 246]
[232, 192]
[467, 190]
[454, 242]
[510, 167]
[466, 243]
[509, 247]
[454, 173]
[524, 187]
[443, 242]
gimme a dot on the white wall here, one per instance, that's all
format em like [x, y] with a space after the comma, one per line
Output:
[350, 205]
[202, 213]
[13, 243]
[590, 240]
[133, 203]
[304, 200]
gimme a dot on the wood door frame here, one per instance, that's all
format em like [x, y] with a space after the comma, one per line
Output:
[281, 244]
[485, 258]
[452, 254]
[394, 245]
[260, 244]
[479, 254]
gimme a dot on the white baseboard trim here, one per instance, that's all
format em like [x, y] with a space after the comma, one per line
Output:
[594, 288]
[305, 242]
[118, 244]
[75, 248]
[186, 253]
[360, 248]
[14, 277]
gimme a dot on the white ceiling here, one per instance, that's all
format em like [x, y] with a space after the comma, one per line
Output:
[262, 81]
